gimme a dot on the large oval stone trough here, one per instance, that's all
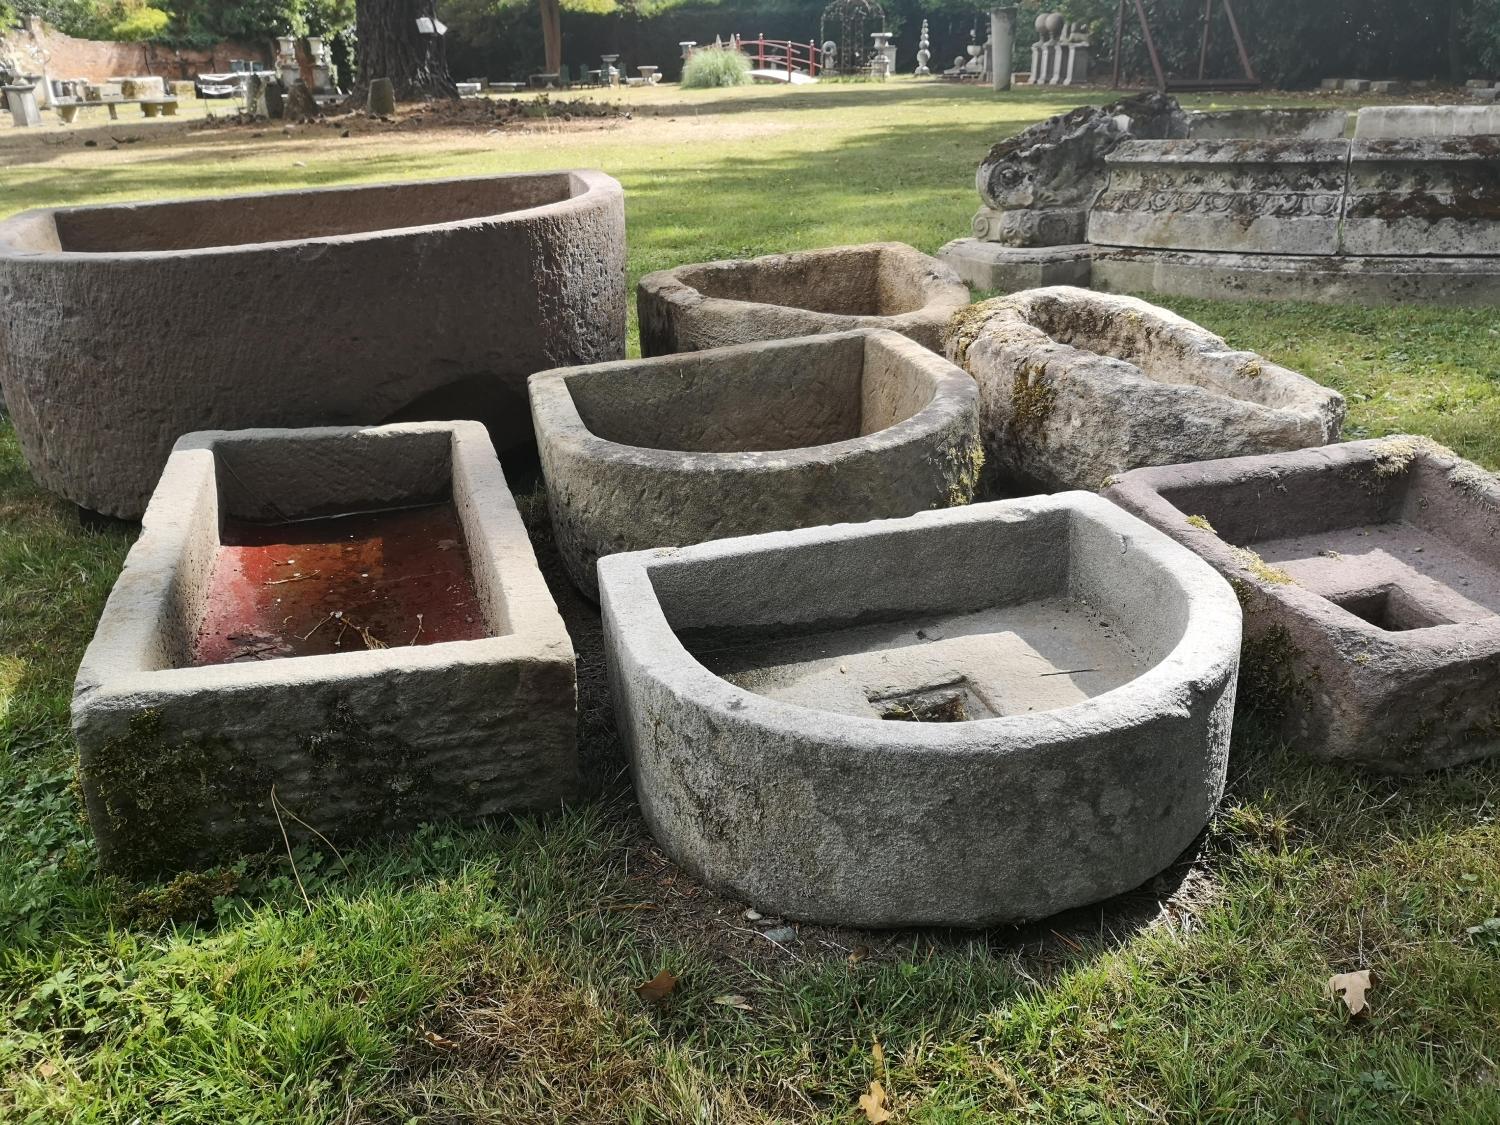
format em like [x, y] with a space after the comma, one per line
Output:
[964, 717]
[1076, 386]
[675, 450]
[836, 289]
[123, 327]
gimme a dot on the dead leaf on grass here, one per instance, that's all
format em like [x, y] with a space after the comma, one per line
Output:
[1351, 988]
[736, 1001]
[874, 1104]
[442, 1043]
[858, 954]
[658, 988]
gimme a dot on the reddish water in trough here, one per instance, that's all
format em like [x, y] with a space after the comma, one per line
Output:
[344, 584]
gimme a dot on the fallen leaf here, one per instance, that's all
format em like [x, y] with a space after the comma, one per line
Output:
[433, 1039]
[877, 1052]
[858, 954]
[1351, 987]
[658, 988]
[873, 1103]
[734, 1000]
[46, 1069]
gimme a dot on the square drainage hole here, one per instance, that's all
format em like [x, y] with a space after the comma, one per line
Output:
[1390, 608]
[951, 702]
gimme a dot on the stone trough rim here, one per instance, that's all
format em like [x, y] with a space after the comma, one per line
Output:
[112, 673]
[1138, 702]
[953, 393]
[1142, 489]
[596, 184]
[669, 287]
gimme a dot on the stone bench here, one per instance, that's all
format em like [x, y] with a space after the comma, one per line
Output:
[67, 110]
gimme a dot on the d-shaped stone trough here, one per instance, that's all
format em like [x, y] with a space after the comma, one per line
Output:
[1076, 386]
[963, 717]
[877, 285]
[680, 449]
[122, 327]
[1370, 576]
[337, 627]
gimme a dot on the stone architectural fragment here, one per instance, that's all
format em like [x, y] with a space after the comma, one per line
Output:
[1423, 198]
[1076, 386]
[125, 326]
[184, 762]
[757, 437]
[965, 717]
[1370, 577]
[1425, 122]
[879, 285]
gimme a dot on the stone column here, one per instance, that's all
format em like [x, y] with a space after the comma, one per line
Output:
[1036, 64]
[1002, 43]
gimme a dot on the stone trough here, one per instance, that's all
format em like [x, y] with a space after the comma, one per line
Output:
[1076, 386]
[880, 285]
[1370, 576]
[123, 327]
[349, 619]
[680, 449]
[963, 717]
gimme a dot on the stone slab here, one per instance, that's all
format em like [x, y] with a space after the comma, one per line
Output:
[1423, 198]
[995, 268]
[1328, 279]
[1268, 197]
[178, 761]
[680, 449]
[1268, 124]
[124, 326]
[1425, 122]
[766, 737]
[882, 285]
[1370, 577]
[1077, 386]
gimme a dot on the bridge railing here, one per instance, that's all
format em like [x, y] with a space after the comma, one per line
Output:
[780, 54]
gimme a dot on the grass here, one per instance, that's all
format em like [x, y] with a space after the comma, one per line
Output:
[487, 973]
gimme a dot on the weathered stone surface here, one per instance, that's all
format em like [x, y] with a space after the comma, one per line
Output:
[1084, 664]
[878, 285]
[1370, 577]
[1031, 228]
[178, 762]
[1268, 124]
[1423, 198]
[1334, 279]
[1355, 86]
[757, 437]
[1266, 197]
[1076, 386]
[1057, 167]
[989, 265]
[123, 327]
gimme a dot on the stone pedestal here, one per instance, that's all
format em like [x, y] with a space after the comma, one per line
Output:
[1002, 45]
[1038, 63]
[1076, 64]
[23, 108]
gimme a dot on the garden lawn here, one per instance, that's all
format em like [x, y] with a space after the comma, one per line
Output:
[487, 974]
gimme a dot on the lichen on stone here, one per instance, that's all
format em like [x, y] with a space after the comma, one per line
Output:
[1202, 524]
[964, 328]
[1031, 399]
[1394, 455]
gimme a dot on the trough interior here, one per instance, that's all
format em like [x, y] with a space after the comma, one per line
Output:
[1401, 548]
[957, 622]
[781, 397]
[1158, 355]
[294, 216]
[310, 545]
[852, 282]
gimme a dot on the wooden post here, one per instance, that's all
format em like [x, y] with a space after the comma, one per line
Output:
[1239, 43]
[1161, 78]
[1119, 41]
[1208, 22]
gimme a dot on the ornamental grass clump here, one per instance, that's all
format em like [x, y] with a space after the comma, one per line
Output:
[716, 66]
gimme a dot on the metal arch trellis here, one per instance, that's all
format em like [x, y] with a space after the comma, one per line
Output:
[852, 45]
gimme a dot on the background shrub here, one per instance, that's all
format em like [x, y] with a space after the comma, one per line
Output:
[715, 67]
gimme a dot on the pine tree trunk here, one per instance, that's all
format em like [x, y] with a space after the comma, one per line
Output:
[552, 35]
[388, 45]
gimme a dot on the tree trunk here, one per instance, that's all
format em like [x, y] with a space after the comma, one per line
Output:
[552, 35]
[388, 45]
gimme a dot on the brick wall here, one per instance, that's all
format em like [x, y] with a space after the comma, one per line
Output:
[34, 46]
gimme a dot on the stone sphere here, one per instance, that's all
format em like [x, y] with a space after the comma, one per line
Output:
[1054, 24]
[1040, 23]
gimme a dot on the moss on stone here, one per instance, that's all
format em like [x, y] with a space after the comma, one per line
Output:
[1202, 524]
[965, 466]
[186, 899]
[964, 328]
[1263, 570]
[1031, 400]
[1272, 683]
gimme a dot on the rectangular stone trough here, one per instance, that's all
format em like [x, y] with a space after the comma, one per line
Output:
[1370, 576]
[962, 717]
[679, 449]
[339, 629]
